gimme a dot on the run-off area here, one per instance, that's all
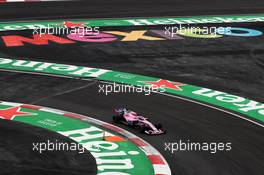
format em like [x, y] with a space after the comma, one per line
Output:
[214, 62]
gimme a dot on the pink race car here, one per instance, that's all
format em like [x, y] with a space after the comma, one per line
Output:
[131, 118]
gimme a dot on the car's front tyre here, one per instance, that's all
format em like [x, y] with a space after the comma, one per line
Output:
[117, 119]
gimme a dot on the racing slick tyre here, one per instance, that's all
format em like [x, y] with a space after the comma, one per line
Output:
[117, 118]
[158, 126]
[143, 129]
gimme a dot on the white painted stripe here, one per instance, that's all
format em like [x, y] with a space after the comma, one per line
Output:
[161, 169]
[10, 104]
[94, 121]
[46, 74]
[129, 18]
[35, 0]
[204, 104]
[15, 0]
[169, 95]
[164, 169]
[55, 111]
[149, 150]
[213, 107]
[129, 134]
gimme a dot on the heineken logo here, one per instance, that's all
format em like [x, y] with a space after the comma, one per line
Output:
[52, 68]
[250, 108]
[240, 103]
[114, 154]
[108, 155]
[164, 21]
[133, 22]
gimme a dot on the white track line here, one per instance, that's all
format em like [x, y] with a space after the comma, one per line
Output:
[168, 95]
[213, 107]
[203, 104]
[125, 18]
[160, 167]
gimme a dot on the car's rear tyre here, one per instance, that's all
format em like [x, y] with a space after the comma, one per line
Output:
[143, 129]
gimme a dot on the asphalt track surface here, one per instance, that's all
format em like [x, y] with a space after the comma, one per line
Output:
[128, 8]
[183, 120]
[17, 157]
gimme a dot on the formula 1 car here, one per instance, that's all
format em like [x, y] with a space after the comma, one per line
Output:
[131, 118]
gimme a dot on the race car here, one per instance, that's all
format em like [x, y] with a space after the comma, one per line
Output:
[132, 119]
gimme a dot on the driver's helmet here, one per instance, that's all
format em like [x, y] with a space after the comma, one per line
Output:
[121, 110]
